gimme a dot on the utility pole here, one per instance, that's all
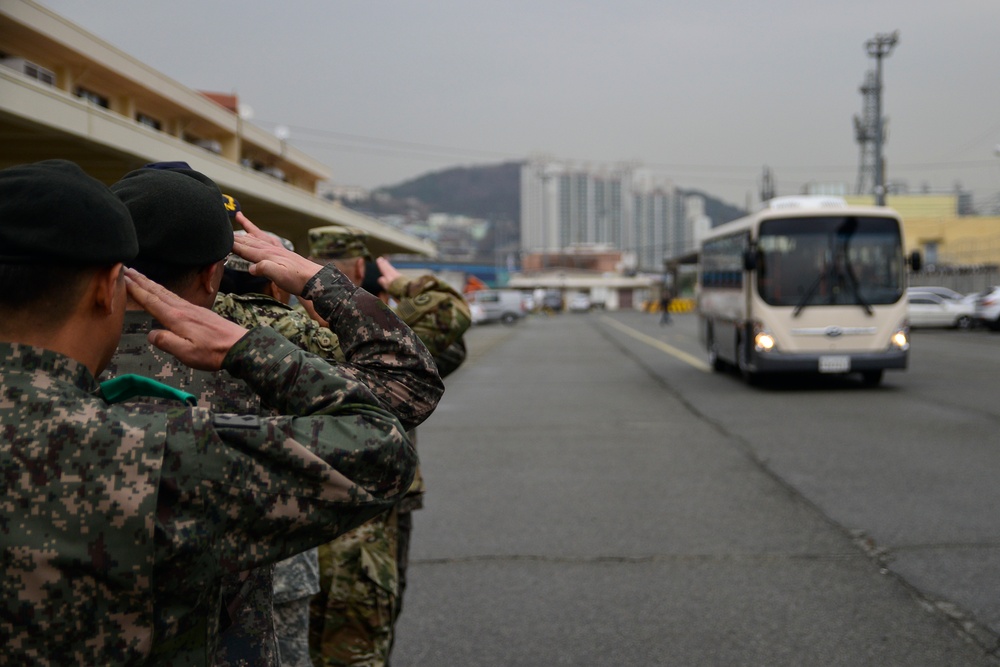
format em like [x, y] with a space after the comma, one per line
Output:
[878, 48]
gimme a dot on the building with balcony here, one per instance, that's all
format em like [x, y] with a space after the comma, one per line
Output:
[65, 93]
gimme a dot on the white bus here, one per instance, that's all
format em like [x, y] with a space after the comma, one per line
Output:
[806, 285]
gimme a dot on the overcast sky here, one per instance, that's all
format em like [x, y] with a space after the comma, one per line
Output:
[707, 93]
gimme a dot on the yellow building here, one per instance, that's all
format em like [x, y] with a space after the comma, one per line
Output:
[932, 225]
[65, 93]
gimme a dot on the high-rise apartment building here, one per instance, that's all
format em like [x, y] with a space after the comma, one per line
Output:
[621, 207]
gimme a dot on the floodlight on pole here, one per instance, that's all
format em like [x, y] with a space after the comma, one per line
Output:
[880, 47]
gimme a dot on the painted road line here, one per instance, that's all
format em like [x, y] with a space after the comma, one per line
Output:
[659, 345]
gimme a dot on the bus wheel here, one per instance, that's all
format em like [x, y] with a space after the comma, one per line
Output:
[713, 358]
[872, 378]
[749, 376]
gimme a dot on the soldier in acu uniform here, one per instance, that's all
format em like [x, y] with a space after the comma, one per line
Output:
[362, 572]
[118, 521]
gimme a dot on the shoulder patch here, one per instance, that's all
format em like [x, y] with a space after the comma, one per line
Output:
[247, 422]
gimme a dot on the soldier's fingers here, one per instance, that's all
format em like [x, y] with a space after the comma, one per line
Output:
[264, 267]
[144, 291]
[389, 272]
[249, 227]
[253, 248]
[170, 342]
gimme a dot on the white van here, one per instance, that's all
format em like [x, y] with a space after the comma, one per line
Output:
[503, 305]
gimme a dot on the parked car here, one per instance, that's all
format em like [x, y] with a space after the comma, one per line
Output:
[552, 300]
[579, 303]
[988, 308]
[496, 306]
[931, 310]
[528, 301]
[945, 292]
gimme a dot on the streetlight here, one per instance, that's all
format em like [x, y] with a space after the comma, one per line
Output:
[282, 133]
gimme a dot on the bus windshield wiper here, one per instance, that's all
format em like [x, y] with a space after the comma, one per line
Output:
[808, 295]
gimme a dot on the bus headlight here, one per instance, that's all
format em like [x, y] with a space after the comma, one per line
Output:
[763, 341]
[900, 338]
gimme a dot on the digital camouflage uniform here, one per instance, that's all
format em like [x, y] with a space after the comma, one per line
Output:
[386, 365]
[294, 580]
[136, 510]
[353, 614]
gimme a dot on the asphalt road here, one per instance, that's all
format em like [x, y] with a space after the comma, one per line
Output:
[597, 496]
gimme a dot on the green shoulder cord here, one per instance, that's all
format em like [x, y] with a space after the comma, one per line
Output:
[129, 386]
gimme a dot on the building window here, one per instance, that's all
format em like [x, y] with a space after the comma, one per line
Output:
[30, 70]
[92, 97]
[148, 121]
[931, 253]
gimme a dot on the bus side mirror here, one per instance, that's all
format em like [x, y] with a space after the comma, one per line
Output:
[915, 261]
[750, 259]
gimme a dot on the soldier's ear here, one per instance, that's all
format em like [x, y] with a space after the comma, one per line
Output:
[107, 284]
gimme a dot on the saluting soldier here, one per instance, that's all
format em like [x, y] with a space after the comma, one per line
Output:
[362, 573]
[252, 300]
[117, 521]
[185, 237]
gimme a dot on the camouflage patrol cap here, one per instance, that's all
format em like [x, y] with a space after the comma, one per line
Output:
[177, 214]
[52, 210]
[335, 242]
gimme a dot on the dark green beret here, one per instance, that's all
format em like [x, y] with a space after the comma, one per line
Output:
[178, 214]
[52, 210]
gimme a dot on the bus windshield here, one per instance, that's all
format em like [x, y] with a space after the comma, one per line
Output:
[846, 260]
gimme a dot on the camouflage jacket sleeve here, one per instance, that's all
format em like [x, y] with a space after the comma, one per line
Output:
[254, 310]
[379, 349]
[269, 487]
[436, 312]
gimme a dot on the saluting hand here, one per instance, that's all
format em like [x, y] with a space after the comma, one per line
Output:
[195, 335]
[388, 271]
[288, 270]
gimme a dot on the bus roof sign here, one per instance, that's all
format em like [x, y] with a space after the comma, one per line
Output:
[805, 202]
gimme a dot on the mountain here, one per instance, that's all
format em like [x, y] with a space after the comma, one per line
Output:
[489, 192]
[493, 192]
[716, 209]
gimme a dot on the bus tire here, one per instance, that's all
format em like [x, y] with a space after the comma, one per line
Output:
[750, 377]
[717, 364]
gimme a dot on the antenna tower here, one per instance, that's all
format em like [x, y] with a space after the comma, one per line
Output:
[766, 185]
[879, 48]
[865, 135]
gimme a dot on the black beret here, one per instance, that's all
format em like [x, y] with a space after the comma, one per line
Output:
[52, 210]
[232, 206]
[178, 214]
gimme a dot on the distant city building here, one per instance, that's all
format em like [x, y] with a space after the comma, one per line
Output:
[345, 193]
[619, 206]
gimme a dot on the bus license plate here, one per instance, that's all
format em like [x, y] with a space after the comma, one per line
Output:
[840, 363]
